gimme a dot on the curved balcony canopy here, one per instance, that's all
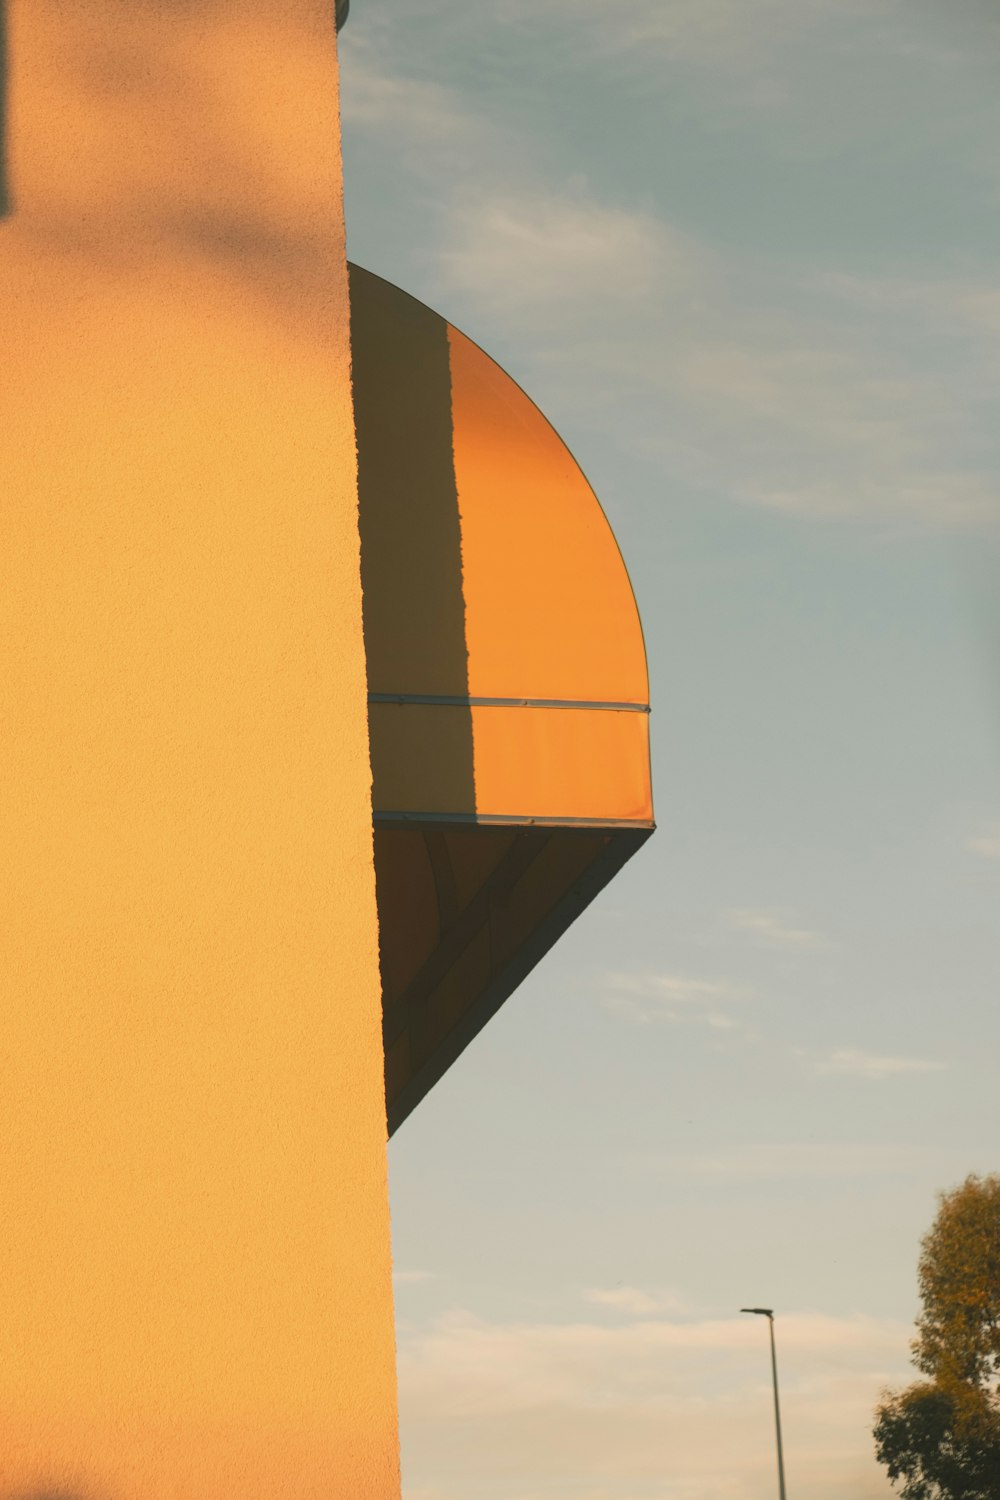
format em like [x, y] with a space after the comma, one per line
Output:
[507, 681]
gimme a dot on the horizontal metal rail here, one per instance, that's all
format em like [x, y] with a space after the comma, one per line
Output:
[510, 820]
[453, 700]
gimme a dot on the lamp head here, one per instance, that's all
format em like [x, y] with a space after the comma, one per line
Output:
[762, 1312]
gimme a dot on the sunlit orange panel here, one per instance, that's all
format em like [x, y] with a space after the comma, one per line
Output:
[508, 713]
[553, 764]
[548, 604]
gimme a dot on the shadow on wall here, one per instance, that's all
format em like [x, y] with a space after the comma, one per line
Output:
[411, 540]
[4, 190]
[199, 176]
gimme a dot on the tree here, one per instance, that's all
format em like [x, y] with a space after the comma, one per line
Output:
[941, 1436]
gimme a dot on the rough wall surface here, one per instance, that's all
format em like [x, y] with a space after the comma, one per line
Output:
[195, 1297]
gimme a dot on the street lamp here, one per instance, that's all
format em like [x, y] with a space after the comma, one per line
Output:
[768, 1313]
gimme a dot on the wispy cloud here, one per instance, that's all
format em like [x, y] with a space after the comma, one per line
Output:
[986, 843]
[827, 424]
[378, 100]
[411, 1278]
[424, 123]
[773, 928]
[521, 251]
[637, 1409]
[650, 998]
[645, 998]
[786, 1160]
[716, 33]
[635, 1303]
[971, 300]
[853, 1063]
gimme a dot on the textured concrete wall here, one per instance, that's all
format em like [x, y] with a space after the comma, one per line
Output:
[195, 1296]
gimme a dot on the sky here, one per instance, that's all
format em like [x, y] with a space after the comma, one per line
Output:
[743, 254]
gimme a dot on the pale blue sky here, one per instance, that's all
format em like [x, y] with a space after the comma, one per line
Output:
[743, 253]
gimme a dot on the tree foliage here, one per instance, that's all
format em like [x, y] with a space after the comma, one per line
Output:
[941, 1437]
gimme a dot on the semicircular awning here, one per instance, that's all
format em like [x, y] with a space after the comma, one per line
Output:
[507, 680]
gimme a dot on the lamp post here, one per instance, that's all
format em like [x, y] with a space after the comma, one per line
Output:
[768, 1313]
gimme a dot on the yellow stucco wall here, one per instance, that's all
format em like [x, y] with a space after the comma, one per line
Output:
[195, 1296]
